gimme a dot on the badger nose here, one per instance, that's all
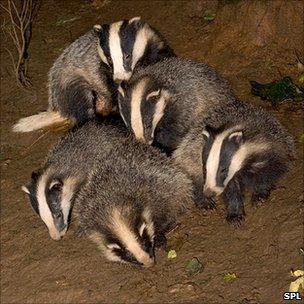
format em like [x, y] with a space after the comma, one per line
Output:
[149, 263]
[209, 193]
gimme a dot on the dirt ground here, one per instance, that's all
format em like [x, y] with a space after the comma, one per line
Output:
[35, 269]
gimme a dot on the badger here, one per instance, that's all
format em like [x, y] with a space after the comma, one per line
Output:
[232, 148]
[131, 200]
[54, 186]
[82, 80]
[161, 102]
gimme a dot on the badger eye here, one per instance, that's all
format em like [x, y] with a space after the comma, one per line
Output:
[127, 56]
[58, 214]
[223, 171]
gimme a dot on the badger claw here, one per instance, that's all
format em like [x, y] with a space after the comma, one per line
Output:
[235, 219]
[160, 240]
[206, 203]
[259, 198]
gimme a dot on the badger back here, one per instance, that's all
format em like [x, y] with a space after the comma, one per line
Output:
[128, 44]
[79, 86]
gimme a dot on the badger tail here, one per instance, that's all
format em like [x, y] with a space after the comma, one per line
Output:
[39, 121]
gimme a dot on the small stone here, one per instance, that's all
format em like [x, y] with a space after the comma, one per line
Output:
[182, 288]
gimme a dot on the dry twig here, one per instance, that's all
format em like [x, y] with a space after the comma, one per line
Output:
[19, 29]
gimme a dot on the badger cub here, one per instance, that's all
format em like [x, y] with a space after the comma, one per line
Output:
[161, 102]
[55, 185]
[132, 198]
[82, 80]
[235, 147]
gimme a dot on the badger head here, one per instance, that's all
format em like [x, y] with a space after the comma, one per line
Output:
[126, 44]
[142, 105]
[226, 152]
[51, 198]
[127, 236]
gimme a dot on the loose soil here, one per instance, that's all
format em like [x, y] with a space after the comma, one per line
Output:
[248, 40]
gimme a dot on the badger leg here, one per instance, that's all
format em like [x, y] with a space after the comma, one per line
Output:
[160, 240]
[234, 199]
[260, 193]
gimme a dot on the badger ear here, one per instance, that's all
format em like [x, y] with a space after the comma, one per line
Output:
[236, 137]
[165, 94]
[210, 130]
[155, 93]
[113, 246]
[136, 21]
[56, 184]
[142, 227]
[97, 28]
[206, 135]
[25, 189]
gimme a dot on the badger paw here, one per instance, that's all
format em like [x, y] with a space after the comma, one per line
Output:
[235, 219]
[160, 240]
[206, 203]
[257, 198]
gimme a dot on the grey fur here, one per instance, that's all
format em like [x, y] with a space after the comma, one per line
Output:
[193, 88]
[79, 65]
[135, 177]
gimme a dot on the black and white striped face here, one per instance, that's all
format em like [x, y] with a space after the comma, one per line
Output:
[127, 238]
[124, 44]
[51, 198]
[223, 156]
[142, 106]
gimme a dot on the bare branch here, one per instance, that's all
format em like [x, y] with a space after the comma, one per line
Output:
[21, 19]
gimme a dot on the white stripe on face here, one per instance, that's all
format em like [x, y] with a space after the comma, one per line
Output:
[213, 161]
[240, 156]
[66, 198]
[101, 54]
[159, 110]
[116, 53]
[134, 19]
[44, 210]
[136, 118]
[142, 38]
[128, 238]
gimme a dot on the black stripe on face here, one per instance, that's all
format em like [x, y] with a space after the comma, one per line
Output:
[147, 109]
[53, 199]
[104, 42]
[147, 243]
[207, 144]
[33, 196]
[32, 188]
[125, 106]
[228, 149]
[127, 35]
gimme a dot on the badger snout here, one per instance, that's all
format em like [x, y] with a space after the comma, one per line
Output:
[149, 263]
[119, 77]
